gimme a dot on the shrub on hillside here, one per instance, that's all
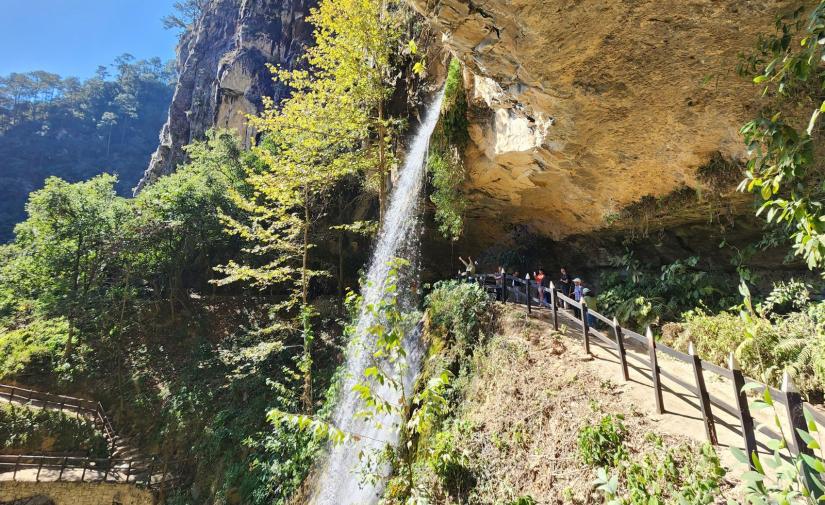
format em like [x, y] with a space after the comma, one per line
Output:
[456, 311]
[639, 297]
[32, 349]
[765, 346]
[25, 430]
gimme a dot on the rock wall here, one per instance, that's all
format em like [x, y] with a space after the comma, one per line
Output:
[74, 493]
[223, 74]
[581, 108]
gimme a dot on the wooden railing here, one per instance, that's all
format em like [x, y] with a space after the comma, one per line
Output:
[509, 289]
[140, 471]
[148, 473]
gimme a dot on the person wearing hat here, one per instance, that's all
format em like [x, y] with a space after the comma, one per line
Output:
[577, 293]
[577, 289]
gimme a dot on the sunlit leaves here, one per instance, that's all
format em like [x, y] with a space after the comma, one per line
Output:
[783, 168]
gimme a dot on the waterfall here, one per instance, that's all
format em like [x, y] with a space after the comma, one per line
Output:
[338, 481]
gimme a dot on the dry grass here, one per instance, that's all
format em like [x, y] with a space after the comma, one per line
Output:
[532, 391]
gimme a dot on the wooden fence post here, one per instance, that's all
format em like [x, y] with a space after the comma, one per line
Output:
[585, 327]
[617, 331]
[654, 371]
[745, 418]
[796, 417]
[16, 465]
[40, 467]
[85, 464]
[527, 290]
[704, 397]
[62, 467]
[554, 303]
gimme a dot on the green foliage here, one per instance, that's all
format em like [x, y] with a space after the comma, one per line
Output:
[602, 444]
[447, 175]
[90, 258]
[454, 122]
[449, 463]
[784, 169]
[680, 474]
[783, 477]
[523, 500]
[77, 129]
[33, 349]
[444, 163]
[639, 297]
[26, 430]
[765, 340]
[456, 311]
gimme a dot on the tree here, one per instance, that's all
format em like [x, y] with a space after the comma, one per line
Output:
[785, 168]
[313, 139]
[66, 247]
[354, 63]
[186, 13]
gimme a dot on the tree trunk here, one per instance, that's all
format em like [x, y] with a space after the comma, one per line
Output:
[67, 350]
[307, 322]
[382, 163]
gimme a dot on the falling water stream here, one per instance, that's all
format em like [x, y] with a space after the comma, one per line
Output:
[339, 479]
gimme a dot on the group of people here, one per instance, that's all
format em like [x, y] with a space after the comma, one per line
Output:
[573, 288]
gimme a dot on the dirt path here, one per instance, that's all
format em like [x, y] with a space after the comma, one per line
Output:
[682, 415]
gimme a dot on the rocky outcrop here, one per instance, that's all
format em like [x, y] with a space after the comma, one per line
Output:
[223, 73]
[581, 109]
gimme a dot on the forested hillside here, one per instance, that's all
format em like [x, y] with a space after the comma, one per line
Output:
[75, 129]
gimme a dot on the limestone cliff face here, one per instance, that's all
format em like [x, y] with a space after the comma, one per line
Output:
[222, 70]
[581, 108]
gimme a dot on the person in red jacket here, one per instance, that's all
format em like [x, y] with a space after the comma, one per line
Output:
[540, 285]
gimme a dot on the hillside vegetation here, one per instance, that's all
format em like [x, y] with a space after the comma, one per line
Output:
[75, 129]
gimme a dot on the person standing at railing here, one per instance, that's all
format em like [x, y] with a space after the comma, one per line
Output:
[540, 285]
[564, 282]
[469, 266]
[577, 293]
[590, 299]
[499, 276]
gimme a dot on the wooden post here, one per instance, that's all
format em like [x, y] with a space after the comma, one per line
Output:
[704, 397]
[585, 327]
[554, 303]
[527, 290]
[654, 371]
[128, 471]
[85, 464]
[796, 417]
[745, 418]
[40, 467]
[617, 331]
[16, 465]
[62, 467]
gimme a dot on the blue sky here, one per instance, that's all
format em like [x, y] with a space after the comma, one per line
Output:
[73, 37]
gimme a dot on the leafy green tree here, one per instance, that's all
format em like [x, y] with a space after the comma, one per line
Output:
[65, 247]
[77, 129]
[785, 169]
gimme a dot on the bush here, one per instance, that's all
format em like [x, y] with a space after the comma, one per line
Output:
[33, 348]
[764, 346]
[602, 444]
[25, 430]
[450, 464]
[456, 311]
[641, 297]
[676, 475]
